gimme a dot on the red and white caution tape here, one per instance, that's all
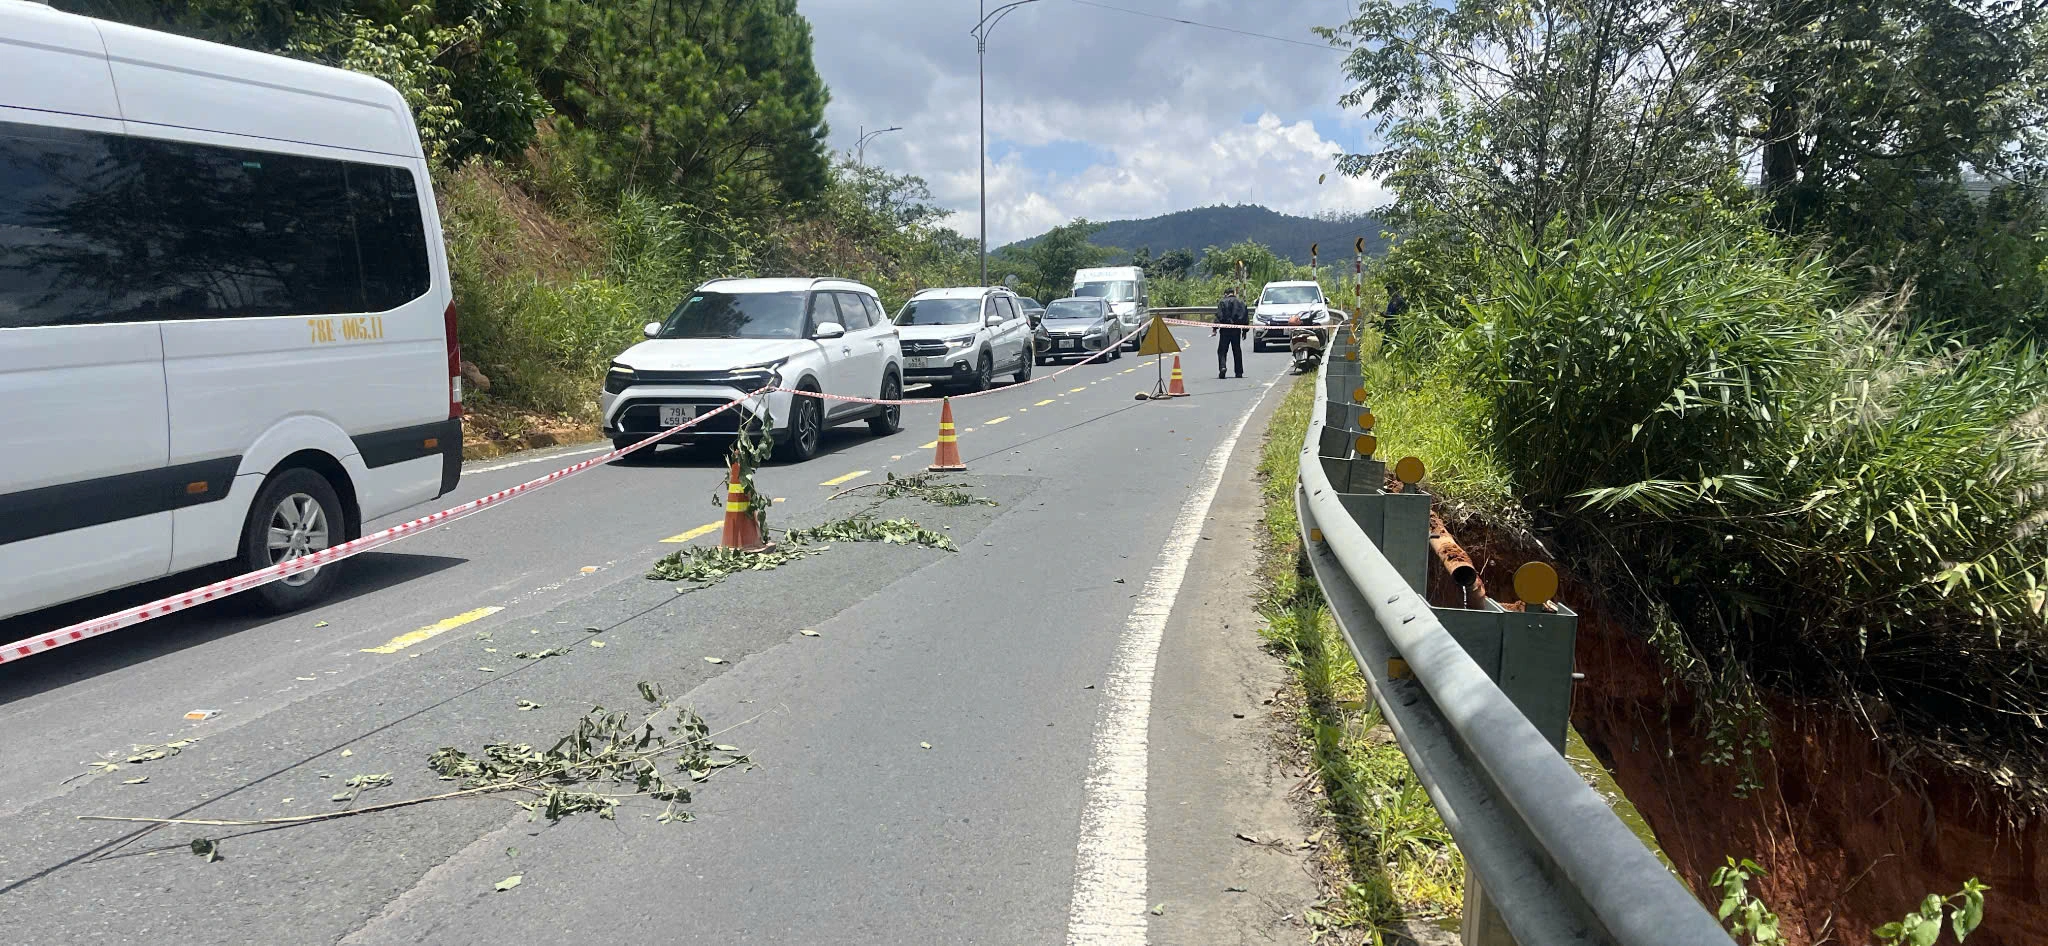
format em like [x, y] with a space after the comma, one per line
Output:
[1254, 327]
[163, 606]
[327, 556]
[934, 400]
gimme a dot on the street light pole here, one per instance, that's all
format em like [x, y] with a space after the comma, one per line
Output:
[981, 31]
[981, 109]
[860, 145]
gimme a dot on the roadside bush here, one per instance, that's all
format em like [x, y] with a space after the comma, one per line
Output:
[1792, 489]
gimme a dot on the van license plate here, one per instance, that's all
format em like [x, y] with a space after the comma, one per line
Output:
[675, 415]
[915, 362]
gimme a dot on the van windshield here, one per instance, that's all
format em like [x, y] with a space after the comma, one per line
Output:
[1120, 290]
[737, 315]
[939, 312]
[1073, 309]
[1291, 295]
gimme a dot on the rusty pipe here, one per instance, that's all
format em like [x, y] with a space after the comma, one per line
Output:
[1455, 563]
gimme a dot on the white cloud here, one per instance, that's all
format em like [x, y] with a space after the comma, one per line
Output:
[1165, 117]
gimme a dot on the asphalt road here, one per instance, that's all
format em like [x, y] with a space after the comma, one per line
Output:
[1002, 657]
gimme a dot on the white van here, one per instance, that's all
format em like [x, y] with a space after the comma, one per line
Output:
[1123, 287]
[226, 331]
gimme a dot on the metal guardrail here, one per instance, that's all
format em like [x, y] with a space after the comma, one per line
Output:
[1548, 861]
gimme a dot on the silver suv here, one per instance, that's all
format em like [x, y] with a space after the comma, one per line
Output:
[964, 337]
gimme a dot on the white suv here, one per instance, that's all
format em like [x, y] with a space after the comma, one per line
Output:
[966, 336]
[1281, 303]
[738, 336]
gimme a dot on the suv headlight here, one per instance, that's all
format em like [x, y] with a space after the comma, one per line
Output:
[960, 344]
[617, 380]
[757, 377]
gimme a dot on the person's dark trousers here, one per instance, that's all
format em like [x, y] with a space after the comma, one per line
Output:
[1227, 348]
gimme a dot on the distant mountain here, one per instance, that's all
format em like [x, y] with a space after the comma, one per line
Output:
[1203, 227]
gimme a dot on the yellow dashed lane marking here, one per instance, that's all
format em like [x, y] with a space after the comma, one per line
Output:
[927, 446]
[1043, 403]
[1076, 390]
[704, 529]
[442, 626]
[997, 420]
[835, 481]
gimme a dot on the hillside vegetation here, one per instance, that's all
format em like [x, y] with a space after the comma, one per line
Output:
[593, 162]
[1202, 227]
[1796, 425]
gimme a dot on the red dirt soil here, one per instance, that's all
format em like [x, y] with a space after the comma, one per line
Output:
[1851, 841]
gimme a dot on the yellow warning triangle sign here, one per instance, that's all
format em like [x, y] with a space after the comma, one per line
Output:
[1159, 339]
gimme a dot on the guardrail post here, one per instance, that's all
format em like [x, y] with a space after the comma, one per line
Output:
[1482, 924]
[1528, 654]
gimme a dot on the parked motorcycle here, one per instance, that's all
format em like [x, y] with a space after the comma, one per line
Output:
[1306, 345]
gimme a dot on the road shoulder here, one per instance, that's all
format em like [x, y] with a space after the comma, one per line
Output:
[1215, 779]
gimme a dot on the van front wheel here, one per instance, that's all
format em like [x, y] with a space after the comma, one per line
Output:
[296, 513]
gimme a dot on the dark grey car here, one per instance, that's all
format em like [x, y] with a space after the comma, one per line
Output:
[1078, 327]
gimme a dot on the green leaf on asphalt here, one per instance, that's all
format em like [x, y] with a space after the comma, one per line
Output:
[528, 705]
[511, 852]
[1159, 910]
[207, 848]
[597, 643]
[345, 753]
[509, 882]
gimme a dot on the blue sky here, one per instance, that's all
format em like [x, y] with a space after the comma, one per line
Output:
[1094, 112]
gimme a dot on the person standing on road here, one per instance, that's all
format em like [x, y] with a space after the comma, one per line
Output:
[1230, 311]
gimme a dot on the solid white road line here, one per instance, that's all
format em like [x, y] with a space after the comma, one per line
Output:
[551, 456]
[1109, 862]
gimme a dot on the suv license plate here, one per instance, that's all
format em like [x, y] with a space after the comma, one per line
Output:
[1066, 343]
[915, 361]
[675, 415]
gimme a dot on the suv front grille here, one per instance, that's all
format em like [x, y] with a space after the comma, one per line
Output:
[923, 346]
[748, 383]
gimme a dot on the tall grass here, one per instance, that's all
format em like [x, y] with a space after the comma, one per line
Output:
[1393, 858]
[1806, 495]
[544, 325]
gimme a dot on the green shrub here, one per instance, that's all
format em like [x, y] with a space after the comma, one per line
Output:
[1812, 497]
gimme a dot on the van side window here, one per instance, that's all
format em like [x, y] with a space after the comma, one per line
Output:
[390, 234]
[58, 264]
[97, 227]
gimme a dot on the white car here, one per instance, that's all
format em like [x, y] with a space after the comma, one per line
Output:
[1281, 303]
[738, 336]
[966, 336]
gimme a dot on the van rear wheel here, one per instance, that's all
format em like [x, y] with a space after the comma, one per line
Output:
[296, 513]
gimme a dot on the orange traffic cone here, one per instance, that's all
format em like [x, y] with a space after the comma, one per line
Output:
[741, 531]
[947, 454]
[1176, 388]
